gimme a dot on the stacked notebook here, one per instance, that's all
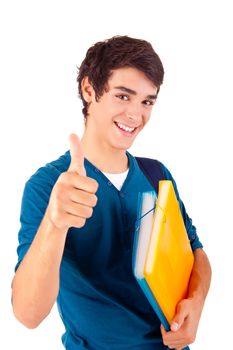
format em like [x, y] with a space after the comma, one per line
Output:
[162, 255]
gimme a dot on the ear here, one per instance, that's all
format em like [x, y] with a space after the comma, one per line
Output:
[87, 90]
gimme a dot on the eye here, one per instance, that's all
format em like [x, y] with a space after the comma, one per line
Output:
[123, 97]
[149, 102]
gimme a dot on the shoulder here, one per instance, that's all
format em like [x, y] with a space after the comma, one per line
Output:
[152, 165]
[46, 176]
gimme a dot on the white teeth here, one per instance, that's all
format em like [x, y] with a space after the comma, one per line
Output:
[124, 127]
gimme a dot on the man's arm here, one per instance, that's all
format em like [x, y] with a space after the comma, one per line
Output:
[185, 323]
[36, 282]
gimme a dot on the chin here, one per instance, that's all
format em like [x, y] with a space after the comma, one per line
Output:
[123, 147]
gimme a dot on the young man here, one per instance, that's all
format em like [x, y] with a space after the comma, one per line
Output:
[78, 217]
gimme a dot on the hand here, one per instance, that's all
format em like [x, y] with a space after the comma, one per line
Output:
[73, 195]
[184, 325]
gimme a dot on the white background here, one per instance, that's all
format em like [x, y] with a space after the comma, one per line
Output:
[190, 129]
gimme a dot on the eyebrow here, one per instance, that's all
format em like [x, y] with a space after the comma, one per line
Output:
[133, 92]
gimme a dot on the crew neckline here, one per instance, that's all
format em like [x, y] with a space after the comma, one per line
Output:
[115, 174]
[86, 161]
[130, 170]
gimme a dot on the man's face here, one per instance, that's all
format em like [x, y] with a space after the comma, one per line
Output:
[123, 110]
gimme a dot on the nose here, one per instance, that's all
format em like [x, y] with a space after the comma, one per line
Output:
[134, 113]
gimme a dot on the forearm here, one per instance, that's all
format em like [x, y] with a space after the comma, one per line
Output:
[36, 282]
[200, 278]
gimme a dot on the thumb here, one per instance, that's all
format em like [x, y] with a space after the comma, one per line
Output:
[178, 319]
[76, 156]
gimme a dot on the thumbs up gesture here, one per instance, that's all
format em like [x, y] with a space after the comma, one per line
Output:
[76, 155]
[73, 196]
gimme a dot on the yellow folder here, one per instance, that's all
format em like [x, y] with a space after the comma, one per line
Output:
[169, 258]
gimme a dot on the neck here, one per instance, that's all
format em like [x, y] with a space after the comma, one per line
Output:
[104, 157]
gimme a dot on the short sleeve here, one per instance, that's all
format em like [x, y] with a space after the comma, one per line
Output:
[191, 229]
[35, 200]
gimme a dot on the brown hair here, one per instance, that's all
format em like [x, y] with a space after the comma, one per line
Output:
[118, 52]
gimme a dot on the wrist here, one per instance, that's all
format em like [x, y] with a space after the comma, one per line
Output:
[52, 228]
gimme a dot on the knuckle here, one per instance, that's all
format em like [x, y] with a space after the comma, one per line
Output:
[60, 190]
[185, 302]
[89, 212]
[80, 222]
[66, 178]
[180, 304]
[62, 178]
[94, 200]
[165, 341]
[85, 211]
[94, 185]
[191, 339]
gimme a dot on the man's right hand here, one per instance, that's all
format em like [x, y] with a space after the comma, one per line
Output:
[73, 195]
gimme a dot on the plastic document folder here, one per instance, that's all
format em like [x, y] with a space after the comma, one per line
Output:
[162, 254]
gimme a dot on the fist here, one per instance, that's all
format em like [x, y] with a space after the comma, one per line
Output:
[73, 196]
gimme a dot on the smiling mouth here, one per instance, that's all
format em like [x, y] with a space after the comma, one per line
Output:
[125, 128]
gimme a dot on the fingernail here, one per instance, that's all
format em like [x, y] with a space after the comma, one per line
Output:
[174, 326]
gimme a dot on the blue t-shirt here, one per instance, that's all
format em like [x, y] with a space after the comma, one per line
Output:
[100, 302]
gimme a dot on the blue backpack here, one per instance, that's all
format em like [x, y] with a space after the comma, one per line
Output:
[152, 169]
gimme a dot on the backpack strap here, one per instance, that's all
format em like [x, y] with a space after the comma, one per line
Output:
[152, 169]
